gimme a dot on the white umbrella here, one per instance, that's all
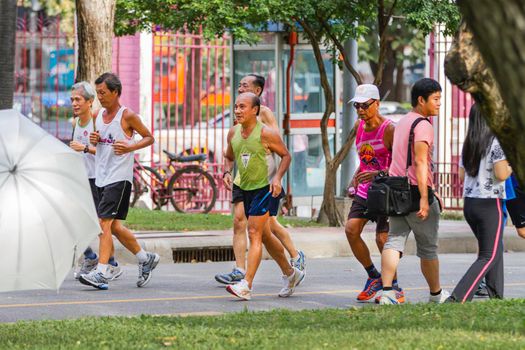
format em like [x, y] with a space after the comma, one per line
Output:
[47, 215]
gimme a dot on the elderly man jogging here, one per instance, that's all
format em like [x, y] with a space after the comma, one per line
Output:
[248, 144]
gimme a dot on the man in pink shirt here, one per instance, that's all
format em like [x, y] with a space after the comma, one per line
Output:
[424, 220]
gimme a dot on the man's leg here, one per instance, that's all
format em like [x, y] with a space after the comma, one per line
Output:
[240, 241]
[147, 261]
[284, 236]
[426, 236]
[255, 232]
[392, 251]
[353, 229]
[276, 250]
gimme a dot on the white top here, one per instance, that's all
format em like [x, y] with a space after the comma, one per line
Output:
[81, 135]
[485, 185]
[110, 168]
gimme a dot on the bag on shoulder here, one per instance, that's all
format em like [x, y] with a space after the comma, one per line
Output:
[392, 195]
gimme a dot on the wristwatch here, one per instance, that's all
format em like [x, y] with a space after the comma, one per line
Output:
[86, 149]
[382, 173]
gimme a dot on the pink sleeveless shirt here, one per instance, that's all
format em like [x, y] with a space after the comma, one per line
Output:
[373, 155]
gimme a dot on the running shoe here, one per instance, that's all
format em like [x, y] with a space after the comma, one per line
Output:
[300, 262]
[230, 278]
[146, 268]
[388, 297]
[400, 295]
[240, 290]
[87, 266]
[114, 272]
[440, 298]
[372, 286]
[290, 282]
[95, 279]
[482, 290]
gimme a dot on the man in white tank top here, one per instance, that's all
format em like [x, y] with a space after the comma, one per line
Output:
[115, 126]
[82, 97]
[255, 84]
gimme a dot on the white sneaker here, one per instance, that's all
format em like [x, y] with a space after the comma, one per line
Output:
[388, 297]
[113, 272]
[240, 290]
[290, 282]
[440, 298]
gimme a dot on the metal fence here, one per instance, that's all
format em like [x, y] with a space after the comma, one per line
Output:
[450, 126]
[191, 95]
[44, 71]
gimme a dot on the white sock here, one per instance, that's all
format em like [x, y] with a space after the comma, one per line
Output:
[296, 258]
[291, 276]
[142, 256]
[241, 270]
[103, 268]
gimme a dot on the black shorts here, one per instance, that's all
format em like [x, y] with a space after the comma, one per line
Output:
[259, 202]
[236, 194]
[516, 208]
[94, 192]
[114, 200]
[358, 211]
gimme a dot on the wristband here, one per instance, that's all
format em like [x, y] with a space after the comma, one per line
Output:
[86, 149]
[226, 172]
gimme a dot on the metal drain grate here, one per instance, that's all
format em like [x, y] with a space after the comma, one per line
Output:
[188, 255]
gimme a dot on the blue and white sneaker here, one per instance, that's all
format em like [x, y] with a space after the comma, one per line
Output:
[300, 262]
[230, 278]
[146, 268]
[94, 279]
[87, 266]
[388, 297]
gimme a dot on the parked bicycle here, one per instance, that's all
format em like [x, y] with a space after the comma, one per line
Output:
[190, 188]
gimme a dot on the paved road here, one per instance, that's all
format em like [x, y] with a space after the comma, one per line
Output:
[191, 289]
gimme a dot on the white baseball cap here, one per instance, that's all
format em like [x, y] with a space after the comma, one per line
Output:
[365, 92]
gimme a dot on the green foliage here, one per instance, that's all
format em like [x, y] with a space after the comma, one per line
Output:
[485, 325]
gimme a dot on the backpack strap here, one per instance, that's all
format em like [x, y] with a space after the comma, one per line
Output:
[411, 141]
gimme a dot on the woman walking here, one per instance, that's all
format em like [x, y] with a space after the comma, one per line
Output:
[484, 168]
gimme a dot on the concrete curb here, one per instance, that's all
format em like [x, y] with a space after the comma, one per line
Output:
[324, 242]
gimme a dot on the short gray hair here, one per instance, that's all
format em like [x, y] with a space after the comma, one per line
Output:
[87, 90]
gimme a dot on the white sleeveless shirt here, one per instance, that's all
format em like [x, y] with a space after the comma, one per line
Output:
[109, 167]
[81, 135]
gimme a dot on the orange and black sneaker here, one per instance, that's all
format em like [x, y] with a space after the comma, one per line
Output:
[372, 286]
[400, 295]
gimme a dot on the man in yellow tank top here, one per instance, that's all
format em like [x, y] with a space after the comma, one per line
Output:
[255, 84]
[248, 144]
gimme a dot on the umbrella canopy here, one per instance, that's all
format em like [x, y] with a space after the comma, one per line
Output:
[47, 214]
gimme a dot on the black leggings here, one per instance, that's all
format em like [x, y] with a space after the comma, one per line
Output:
[485, 218]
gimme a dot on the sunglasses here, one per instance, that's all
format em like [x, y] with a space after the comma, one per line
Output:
[363, 106]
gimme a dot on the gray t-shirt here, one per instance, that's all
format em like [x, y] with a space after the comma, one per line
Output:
[485, 185]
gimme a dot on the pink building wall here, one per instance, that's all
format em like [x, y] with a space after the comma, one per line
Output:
[126, 64]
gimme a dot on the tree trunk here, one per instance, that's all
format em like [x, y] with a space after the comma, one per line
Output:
[7, 54]
[489, 55]
[193, 83]
[95, 21]
[399, 90]
[329, 213]
[386, 89]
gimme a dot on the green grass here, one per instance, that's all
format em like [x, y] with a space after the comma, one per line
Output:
[480, 325]
[155, 220]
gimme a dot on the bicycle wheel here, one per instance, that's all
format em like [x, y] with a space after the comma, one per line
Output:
[147, 179]
[192, 190]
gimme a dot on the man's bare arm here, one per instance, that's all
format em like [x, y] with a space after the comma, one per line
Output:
[229, 158]
[273, 140]
[421, 164]
[131, 123]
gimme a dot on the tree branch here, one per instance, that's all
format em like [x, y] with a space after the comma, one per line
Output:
[343, 151]
[382, 22]
[327, 90]
[341, 49]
